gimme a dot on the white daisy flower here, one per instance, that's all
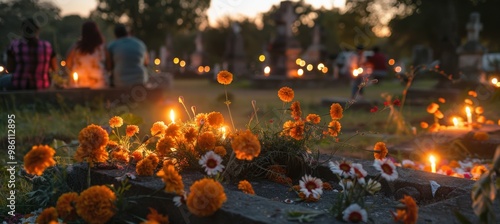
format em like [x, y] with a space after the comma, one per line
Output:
[354, 213]
[311, 185]
[358, 172]
[180, 200]
[346, 185]
[212, 163]
[373, 186]
[387, 169]
[342, 168]
[408, 163]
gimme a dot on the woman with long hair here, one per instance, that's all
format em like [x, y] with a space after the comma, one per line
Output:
[86, 58]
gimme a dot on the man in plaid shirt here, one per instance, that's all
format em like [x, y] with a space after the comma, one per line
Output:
[29, 60]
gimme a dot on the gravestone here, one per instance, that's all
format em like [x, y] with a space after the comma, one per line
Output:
[234, 55]
[421, 55]
[315, 53]
[198, 58]
[166, 55]
[471, 53]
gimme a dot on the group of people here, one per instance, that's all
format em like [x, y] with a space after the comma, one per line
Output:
[362, 67]
[123, 62]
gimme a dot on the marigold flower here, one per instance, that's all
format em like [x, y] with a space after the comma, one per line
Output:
[424, 125]
[206, 197]
[48, 216]
[334, 128]
[155, 218]
[311, 186]
[246, 145]
[380, 150]
[93, 140]
[220, 150]
[116, 122]
[439, 114]
[154, 158]
[173, 130]
[287, 126]
[200, 119]
[296, 111]
[38, 159]
[472, 93]
[327, 186]
[66, 206]
[246, 187]
[481, 119]
[190, 135]
[478, 170]
[387, 169]
[158, 128]
[432, 108]
[313, 118]
[211, 162]
[481, 136]
[137, 155]
[354, 214]
[409, 214]
[336, 111]
[172, 179]
[120, 154]
[434, 127]
[206, 141]
[468, 101]
[286, 94]
[112, 144]
[441, 100]
[164, 145]
[297, 131]
[224, 77]
[131, 130]
[145, 167]
[96, 204]
[215, 119]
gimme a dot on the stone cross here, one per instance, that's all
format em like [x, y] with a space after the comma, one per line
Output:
[474, 27]
[289, 17]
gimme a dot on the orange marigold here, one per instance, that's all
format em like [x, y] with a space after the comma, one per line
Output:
[432, 108]
[48, 216]
[468, 101]
[96, 204]
[479, 110]
[172, 179]
[472, 93]
[313, 118]
[206, 141]
[481, 136]
[224, 77]
[173, 130]
[439, 114]
[145, 167]
[215, 119]
[481, 119]
[164, 145]
[137, 155]
[336, 111]
[424, 125]
[434, 127]
[116, 122]
[190, 135]
[200, 119]
[155, 218]
[220, 150]
[206, 197]
[120, 154]
[334, 128]
[287, 126]
[327, 186]
[93, 140]
[131, 130]
[410, 213]
[38, 159]
[441, 100]
[297, 131]
[296, 111]
[246, 187]
[246, 145]
[286, 94]
[66, 206]
[380, 151]
[154, 158]
[158, 128]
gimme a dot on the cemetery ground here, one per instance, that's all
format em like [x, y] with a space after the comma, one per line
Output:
[60, 124]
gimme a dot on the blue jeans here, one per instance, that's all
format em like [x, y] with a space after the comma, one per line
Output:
[5, 82]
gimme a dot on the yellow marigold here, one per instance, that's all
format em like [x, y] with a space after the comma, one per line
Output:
[381, 151]
[116, 122]
[145, 167]
[96, 204]
[287, 126]
[479, 110]
[93, 140]
[297, 131]
[220, 150]
[66, 206]
[481, 119]
[410, 213]
[432, 108]
[154, 158]
[38, 159]
[246, 145]
[120, 154]
[215, 119]
[439, 114]
[155, 218]
[137, 155]
[206, 197]
[246, 187]
[441, 100]
[164, 145]
[200, 119]
[173, 130]
[334, 128]
[48, 216]
[172, 179]
[481, 136]
[313, 118]
[336, 111]
[472, 93]
[190, 135]
[159, 127]
[424, 125]
[225, 77]
[131, 130]
[286, 94]
[206, 141]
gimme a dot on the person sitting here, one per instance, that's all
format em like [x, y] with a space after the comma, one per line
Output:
[29, 61]
[127, 59]
[86, 58]
[379, 62]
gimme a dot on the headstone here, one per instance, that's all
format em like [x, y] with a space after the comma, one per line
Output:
[198, 58]
[166, 55]
[234, 55]
[471, 53]
[421, 55]
[315, 53]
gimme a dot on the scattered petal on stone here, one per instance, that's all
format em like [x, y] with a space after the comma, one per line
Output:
[288, 201]
[434, 187]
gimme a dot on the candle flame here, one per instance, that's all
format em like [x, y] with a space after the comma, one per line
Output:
[75, 76]
[172, 116]
[455, 122]
[467, 110]
[432, 159]
[223, 130]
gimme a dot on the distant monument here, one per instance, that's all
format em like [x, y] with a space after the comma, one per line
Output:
[316, 52]
[198, 58]
[234, 55]
[284, 49]
[471, 53]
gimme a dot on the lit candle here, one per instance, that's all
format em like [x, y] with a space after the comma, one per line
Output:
[172, 116]
[432, 159]
[75, 78]
[223, 130]
[455, 122]
[469, 116]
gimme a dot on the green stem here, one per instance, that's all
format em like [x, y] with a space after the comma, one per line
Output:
[229, 109]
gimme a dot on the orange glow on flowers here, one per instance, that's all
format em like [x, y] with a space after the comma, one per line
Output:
[220, 150]
[206, 197]
[410, 213]
[472, 93]
[48, 216]
[246, 187]
[313, 118]
[155, 218]
[478, 170]
[164, 145]
[190, 135]
[131, 130]
[468, 101]
[225, 77]
[424, 125]
[434, 127]
[215, 119]
[297, 130]
[286, 94]
[479, 110]
[154, 159]
[173, 130]
[116, 122]
[481, 136]
[336, 111]
[381, 150]
[481, 119]
[432, 108]
[206, 141]
[334, 128]
[441, 100]
[137, 155]
[200, 119]
[38, 159]
[120, 154]
[159, 127]
[93, 140]
[246, 145]
[296, 111]
[66, 206]
[172, 179]
[145, 167]
[96, 204]
[439, 114]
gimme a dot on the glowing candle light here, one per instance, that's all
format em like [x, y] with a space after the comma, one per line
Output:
[455, 122]
[75, 78]
[469, 116]
[432, 159]
[172, 116]
[223, 130]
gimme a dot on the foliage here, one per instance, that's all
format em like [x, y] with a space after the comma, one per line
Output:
[485, 191]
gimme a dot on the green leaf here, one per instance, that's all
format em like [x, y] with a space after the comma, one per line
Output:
[129, 118]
